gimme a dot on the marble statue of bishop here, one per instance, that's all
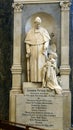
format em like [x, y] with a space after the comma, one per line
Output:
[37, 43]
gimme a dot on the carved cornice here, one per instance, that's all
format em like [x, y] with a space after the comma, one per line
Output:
[17, 7]
[39, 1]
[65, 5]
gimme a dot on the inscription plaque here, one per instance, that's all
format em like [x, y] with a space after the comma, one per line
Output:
[41, 108]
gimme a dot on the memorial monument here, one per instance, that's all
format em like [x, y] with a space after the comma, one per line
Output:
[40, 94]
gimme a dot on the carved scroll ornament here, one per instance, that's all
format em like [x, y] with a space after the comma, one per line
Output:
[65, 5]
[17, 7]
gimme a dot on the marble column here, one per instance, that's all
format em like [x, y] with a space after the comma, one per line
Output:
[16, 67]
[65, 68]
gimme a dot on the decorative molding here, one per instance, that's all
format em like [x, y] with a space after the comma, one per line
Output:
[17, 7]
[39, 1]
[65, 5]
[65, 70]
[15, 91]
[16, 69]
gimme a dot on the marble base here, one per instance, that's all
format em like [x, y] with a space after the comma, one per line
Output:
[40, 108]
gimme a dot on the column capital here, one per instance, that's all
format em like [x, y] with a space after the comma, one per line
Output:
[65, 5]
[17, 7]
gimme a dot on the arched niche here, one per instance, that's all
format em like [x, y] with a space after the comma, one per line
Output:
[51, 20]
[48, 22]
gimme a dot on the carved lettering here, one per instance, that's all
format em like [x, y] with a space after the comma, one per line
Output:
[41, 108]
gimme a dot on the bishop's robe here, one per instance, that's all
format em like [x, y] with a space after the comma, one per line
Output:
[37, 40]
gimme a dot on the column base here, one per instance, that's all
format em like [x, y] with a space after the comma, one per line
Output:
[12, 104]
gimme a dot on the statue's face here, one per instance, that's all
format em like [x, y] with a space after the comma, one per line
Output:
[37, 25]
[50, 56]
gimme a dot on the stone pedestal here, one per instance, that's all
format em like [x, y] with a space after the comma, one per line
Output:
[42, 108]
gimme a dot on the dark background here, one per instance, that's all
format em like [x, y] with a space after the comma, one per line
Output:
[5, 55]
[6, 37]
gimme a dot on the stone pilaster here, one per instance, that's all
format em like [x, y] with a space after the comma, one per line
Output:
[65, 68]
[16, 67]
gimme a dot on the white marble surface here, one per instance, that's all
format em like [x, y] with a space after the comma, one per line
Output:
[39, 1]
[41, 108]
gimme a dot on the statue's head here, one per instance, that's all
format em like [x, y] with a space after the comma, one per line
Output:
[37, 22]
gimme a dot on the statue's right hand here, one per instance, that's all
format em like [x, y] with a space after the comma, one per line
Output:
[28, 50]
[27, 55]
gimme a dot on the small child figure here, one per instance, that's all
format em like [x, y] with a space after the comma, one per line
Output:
[49, 74]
